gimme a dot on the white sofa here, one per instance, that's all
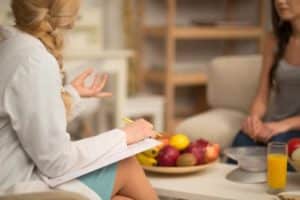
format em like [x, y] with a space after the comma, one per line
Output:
[232, 85]
[54, 195]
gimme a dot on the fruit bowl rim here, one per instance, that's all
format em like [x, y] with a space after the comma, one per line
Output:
[179, 170]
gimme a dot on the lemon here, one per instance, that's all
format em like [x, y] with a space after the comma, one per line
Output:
[179, 141]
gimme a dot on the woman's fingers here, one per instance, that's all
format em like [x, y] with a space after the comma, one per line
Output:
[244, 126]
[146, 123]
[95, 83]
[249, 127]
[139, 130]
[104, 94]
[147, 128]
[256, 126]
[102, 83]
[153, 134]
[99, 83]
[84, 75]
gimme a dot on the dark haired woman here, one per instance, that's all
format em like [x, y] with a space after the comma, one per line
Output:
[275, 112]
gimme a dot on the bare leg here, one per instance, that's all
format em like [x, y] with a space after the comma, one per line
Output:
[131, 182]
[121, 198]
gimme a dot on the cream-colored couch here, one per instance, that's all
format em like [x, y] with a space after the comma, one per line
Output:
[56, 195]
[232, 85]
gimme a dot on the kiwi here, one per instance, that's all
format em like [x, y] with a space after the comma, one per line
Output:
[186, 159]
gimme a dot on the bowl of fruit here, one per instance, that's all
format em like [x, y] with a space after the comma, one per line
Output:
[178, 155]
[294, 153]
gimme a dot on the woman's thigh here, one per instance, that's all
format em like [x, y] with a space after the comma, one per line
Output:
[285, 137]
[242, 140]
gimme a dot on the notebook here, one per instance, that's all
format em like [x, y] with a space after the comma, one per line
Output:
[111, 158]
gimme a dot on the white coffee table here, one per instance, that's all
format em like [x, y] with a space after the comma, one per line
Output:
[211, 184]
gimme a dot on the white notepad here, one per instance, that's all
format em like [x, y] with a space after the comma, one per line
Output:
[103, 161]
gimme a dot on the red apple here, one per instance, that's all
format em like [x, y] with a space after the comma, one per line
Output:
[212, 153]
[198, 151]
[168, 156]
[293, 144]
[202, 143]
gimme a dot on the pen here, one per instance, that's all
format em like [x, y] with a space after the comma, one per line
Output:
[129, 121]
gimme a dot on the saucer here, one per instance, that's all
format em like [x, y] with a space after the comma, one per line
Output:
[242, 176]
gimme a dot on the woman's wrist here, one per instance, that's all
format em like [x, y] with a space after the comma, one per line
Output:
[258, 110]
[73, 92]
[257, 114]
[291, 123]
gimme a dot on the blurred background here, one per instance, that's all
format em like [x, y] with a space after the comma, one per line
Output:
[157, 53]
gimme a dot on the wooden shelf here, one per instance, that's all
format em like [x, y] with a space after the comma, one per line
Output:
[171, 34]
[206, 32]
[178, 78]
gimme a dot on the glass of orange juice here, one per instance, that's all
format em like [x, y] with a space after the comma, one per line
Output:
[277, 166]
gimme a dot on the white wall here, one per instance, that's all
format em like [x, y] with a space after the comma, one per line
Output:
[4, 3]
[113, 24]
[113, 29]
[112, 18]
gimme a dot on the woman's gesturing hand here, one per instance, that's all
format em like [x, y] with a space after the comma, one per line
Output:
[139, 130]
[95, 89]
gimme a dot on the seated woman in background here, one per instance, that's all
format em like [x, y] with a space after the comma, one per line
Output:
[275, 112]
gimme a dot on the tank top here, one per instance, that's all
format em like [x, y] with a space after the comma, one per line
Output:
[285, 97]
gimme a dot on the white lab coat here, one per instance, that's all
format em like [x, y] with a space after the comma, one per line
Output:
[33, 135]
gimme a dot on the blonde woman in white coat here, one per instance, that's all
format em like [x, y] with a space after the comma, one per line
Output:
[34, 107]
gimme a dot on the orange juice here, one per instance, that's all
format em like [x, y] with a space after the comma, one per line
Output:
[277, 171]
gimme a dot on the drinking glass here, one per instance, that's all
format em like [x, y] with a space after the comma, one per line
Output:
[277, 167]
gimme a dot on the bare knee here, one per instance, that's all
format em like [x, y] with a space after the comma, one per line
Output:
[121, 198]
[130, 163]
[124, 171]
[126, 167]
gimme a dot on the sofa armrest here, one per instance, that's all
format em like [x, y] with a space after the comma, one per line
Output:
[216, 125]
[56, 195]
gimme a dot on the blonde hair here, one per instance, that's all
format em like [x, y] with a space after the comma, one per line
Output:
[44, 19]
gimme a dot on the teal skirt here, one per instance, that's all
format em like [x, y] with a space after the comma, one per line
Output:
[101, 181]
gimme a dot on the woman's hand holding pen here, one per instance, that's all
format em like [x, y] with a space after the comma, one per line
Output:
[139, 130]
[95, 89]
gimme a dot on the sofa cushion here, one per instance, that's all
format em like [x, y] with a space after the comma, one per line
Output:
[57, 195]
[233, 81]
[217, 125]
